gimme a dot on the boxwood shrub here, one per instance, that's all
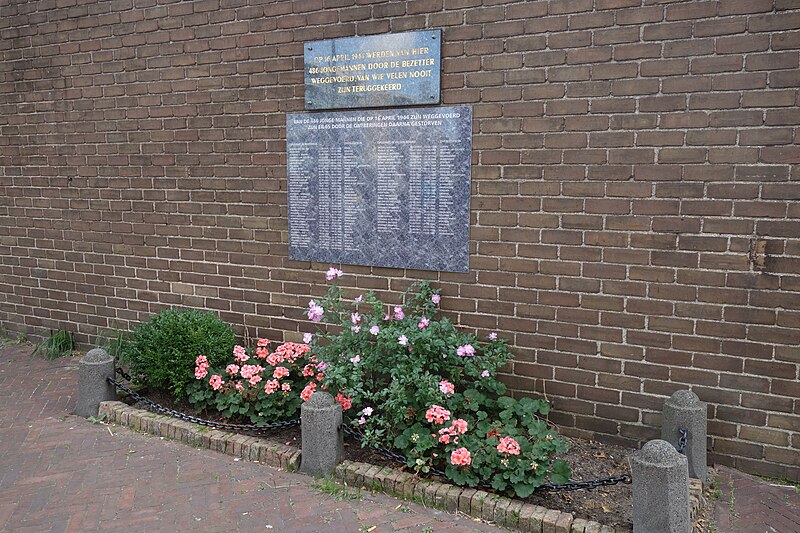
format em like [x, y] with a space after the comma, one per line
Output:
[161, 352]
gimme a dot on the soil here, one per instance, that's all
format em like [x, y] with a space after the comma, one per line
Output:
[588, 460]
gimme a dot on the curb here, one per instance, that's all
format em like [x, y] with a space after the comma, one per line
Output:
[501, 510]
[248, 448]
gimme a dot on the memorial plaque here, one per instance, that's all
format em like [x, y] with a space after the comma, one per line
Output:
[381, 187]
[396, 69]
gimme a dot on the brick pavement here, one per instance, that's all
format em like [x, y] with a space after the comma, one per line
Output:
[59, 472]
[748, 504]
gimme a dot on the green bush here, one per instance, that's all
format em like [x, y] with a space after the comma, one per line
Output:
[161, 352]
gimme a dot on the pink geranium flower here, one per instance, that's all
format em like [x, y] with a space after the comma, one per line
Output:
[460, 457]
[280, 372]
[239, 354]
[459, 426]
[437, 414]
[399, 314]
[446, 387]
[344, 401]
[216, 382]
[271, 386]
[274, 359]
[508, 446]
[248, 371]
[435, 298]
[424, 322]
[308, 391]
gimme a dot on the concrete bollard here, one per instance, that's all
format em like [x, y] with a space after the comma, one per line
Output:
[322, 436]
[684, 410]
[93, 369]
[660, 489]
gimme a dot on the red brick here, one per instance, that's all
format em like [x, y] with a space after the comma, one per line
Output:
[771, 61]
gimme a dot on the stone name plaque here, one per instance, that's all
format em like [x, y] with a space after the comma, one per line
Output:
[384, 188]
[397, 69]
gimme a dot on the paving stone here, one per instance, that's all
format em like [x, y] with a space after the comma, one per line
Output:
[537, 519]
[500, 509]
[578, 526]
[564, 523]
[512, 514]
[592, 527]
[429, 494]
[477, 501]
[489, 505]
[465, 500]
[451, 499]
[549, 521]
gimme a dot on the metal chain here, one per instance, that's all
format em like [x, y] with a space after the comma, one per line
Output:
[547, 487]
[683, 440]
[244, 428]
[588, 485]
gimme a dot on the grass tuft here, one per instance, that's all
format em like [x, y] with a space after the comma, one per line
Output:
[58, 344]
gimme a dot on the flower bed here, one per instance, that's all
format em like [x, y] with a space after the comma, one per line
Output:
[515, 514]
[408, 380]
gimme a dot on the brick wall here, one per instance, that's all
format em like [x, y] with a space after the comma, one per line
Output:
[635, 214]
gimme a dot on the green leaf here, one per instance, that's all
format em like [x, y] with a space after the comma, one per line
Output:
[523, 490]
[506, 402]
[401, 442]
[560, 472]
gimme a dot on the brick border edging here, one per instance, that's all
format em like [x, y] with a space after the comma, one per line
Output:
[249, 448]
[501, 510]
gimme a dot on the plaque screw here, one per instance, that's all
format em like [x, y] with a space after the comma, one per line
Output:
[433, 37]
[310, 48]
